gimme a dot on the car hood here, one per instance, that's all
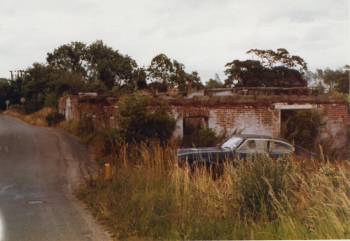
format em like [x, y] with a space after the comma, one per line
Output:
[186, 151]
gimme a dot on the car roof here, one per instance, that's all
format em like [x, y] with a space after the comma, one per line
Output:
[254, 136]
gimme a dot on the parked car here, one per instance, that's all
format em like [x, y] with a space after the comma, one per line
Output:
[237, 147]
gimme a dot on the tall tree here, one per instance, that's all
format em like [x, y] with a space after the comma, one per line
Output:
[214, 83]
[99, 64]
[161, 69]
[69, 57]
[337, 79]
[281, 56]
[171, 73]
[274, 69]
[108, 65]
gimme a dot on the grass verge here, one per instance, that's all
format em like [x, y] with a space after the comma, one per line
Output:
[149, 197]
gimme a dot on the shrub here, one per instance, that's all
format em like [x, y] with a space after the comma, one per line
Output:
[111, 139]
[202, 137]
[54, 118]
[86, 128]
[51, 100]
[303, 128]
[139, 121]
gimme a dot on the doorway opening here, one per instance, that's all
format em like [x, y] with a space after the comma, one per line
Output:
[191, 129]
[301, 127]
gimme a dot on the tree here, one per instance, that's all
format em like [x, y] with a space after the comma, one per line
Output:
[281, 56]
[107, 65]
[69, 57]
[160, 70]
[274, 69]
[5, 92]
[337, 80]
[214, 83]
[43, 84]
[98, 64]
[171, 73]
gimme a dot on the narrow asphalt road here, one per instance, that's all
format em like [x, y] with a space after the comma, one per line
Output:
[39, 169]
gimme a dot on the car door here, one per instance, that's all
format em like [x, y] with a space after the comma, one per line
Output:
[279, 149]
[252, 147]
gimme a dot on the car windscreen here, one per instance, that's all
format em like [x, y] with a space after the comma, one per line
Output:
[232, 143]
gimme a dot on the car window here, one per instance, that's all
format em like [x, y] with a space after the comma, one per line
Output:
[254, 146]
[280, 147]
[232, 143]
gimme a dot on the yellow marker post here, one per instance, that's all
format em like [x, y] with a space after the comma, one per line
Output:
[107, 171]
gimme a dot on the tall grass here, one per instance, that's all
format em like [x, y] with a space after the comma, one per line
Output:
[151, 197]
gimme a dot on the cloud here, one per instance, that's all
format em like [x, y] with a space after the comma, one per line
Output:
[204, 35]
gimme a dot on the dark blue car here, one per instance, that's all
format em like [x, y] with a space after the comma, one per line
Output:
[237, 147]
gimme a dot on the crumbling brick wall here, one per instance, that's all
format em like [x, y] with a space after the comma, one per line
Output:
[337, 121]
[245, 114]
[264, 118]
[247, 119]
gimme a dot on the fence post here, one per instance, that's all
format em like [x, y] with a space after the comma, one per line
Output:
[107, 171]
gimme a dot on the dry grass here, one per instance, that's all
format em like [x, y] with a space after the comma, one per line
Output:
[37, 118]
[151, 197]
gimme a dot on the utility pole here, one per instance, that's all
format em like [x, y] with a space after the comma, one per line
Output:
[15, 74]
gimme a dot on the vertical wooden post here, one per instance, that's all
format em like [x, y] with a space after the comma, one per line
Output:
[107, 172]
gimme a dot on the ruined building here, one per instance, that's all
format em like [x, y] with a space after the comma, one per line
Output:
[250, 111]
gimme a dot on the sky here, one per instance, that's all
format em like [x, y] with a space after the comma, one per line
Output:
[202, 34]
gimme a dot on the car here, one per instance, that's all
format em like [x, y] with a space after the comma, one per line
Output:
[237, 147]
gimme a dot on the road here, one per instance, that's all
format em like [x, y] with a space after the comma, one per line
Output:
[39, 169]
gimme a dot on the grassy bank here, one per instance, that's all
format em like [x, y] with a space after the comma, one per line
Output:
[38, 118]
[150, 197]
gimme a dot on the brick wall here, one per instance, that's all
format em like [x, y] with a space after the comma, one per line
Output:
[247, 114]
[337, 120]
[265, 119]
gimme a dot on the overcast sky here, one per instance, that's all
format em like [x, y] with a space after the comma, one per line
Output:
[202, 34]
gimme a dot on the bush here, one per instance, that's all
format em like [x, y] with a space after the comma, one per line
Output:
[86, 126]
[303, 128]
[54, 118]
[202, 137]
[51, 100]
[111, 139]
[138, 121]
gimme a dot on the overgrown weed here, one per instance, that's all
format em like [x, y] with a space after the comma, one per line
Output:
[150, 196]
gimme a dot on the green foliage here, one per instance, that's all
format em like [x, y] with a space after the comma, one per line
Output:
[275, 69]
[212, 84]
[140, 122]
[171, 73]
[69, 58]
[51, 100]
[86, 127]
[251, 73]
[5, 93]
[109, 65]
[54, 118]
[201, 137]
[303, 127]
[337, 80]
[78, 67]
[279, 57]
[112, 140]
